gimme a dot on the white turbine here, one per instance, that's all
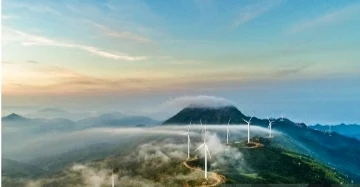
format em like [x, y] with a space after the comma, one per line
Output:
[227, 132]
[206, 152]
[112, 179]
[248, 123]
[270, 125]
[188, 135]
[282, 117]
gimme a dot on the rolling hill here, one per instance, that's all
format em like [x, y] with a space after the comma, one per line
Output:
[116, 119]
[270, 164]
[350, 130]
[336, 150]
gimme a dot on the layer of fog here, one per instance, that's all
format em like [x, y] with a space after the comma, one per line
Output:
[139, 166]
[29, 147]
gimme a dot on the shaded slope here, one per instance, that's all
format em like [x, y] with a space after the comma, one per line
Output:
[12, 168]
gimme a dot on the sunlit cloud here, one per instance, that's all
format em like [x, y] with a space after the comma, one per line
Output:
[33, 40]
[333, 17]
[118, 34]
[252, 11]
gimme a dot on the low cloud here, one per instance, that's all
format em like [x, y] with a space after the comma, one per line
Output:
[201, 100]
[250, 12]
[334, 17]
[145, 164]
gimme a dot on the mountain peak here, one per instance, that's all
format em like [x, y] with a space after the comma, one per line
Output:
[13, 117]
[209, 115]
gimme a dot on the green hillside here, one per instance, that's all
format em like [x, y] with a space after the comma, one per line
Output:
[269, 164]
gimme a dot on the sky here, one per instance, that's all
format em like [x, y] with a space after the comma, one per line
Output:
[267, 57]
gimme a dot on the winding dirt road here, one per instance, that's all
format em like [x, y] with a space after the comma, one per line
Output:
[212, 176]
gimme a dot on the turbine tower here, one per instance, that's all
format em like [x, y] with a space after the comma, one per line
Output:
[112, 179]
[188, 135]
[227, 132]
[206, 152]
[248, 123]
[270, 125]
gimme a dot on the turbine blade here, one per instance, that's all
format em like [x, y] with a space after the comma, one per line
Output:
[202, 145]
[251, 118]
[207, 150]
[245, 120]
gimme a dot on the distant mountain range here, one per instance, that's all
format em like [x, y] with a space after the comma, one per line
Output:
[351, 130]
[40, 125]
[336, 149]
[117, 119]
[51, 113]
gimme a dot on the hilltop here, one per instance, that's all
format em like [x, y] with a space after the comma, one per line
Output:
[209, 115]
[13, 117]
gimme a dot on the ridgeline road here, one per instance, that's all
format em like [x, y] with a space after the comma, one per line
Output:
[212, 176]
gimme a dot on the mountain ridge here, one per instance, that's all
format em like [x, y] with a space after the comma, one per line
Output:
[339, 150]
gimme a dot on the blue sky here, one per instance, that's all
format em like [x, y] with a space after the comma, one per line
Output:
[266, 56]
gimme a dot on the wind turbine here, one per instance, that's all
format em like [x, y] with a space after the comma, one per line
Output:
[188, 135]
[282, 117]
[112, 179]
[227, 132]
[206, 152]
[248, 123]
[270, 125]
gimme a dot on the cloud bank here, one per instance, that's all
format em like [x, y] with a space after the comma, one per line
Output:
[201, 100]
[32, 40]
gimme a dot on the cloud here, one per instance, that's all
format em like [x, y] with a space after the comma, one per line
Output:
[201, 100]
[290, 71]
[144, 166]
[222, 154]
[252, 11]
[334, 17]
[32, 61]
[31, 40]
[9, 17]
[118, 34]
